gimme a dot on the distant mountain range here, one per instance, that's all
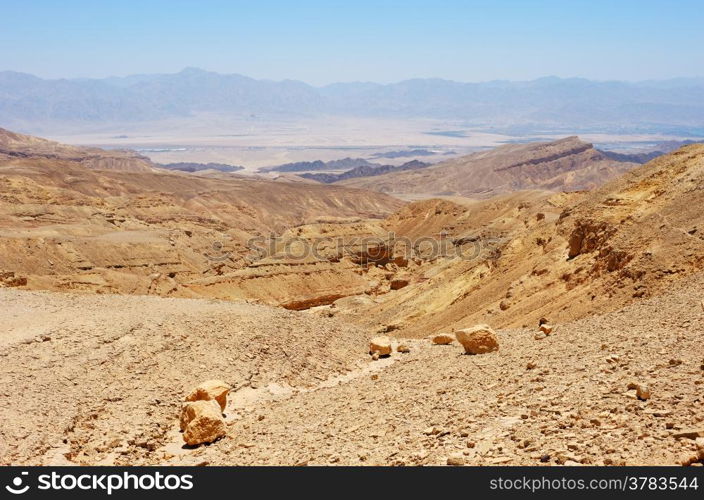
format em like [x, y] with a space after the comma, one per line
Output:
[674, 106]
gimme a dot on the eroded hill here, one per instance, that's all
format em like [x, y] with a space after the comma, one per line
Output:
[563, 256]
[565, 165]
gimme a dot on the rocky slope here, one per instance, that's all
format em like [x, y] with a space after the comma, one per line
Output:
[565, 256]
[565, 165]
[100, 380]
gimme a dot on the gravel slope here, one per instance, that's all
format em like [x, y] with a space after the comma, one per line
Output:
[104, 384]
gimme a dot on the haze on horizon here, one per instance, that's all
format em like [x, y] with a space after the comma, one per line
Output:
[324, 42]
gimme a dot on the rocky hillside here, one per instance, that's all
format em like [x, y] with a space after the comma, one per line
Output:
[565, 165]
[563, 256]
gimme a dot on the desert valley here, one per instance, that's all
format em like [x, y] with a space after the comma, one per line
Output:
[408, 244]
[325, 320]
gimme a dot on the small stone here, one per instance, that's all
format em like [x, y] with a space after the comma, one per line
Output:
[443, 339]
[643, 392]
[690, 433]
[479, 339]
[380, 345]
[530, 365]
[375, 356]
[397, 284]
[539, 336]
[546, 329]
[403, 348]
[545, 458]
[456, 459]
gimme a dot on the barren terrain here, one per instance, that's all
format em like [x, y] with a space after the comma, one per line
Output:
[276, 288]
[100, 380]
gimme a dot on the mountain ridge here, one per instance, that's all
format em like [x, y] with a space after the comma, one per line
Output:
[568, 164]
[30, 101]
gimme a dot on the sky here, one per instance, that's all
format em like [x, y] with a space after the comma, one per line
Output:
[321, 42]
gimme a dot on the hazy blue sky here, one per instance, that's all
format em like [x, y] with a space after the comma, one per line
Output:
[325, 41]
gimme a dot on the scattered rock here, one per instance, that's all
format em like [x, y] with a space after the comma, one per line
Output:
[403, 348]
[700, 448]
[542, 321]
[690, 433]
[539, 336]
[456, 459]
[397, 284]
[380, 345]
[443, 339]
[479, 339]
[642, 392]
[9, 279]
[504, 305]
[547, 329]
[202, 422]
[211, 390]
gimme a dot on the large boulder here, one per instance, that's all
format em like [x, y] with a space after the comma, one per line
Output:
[211, 390]
[380, 345]
[479, 339]
[202, 422]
